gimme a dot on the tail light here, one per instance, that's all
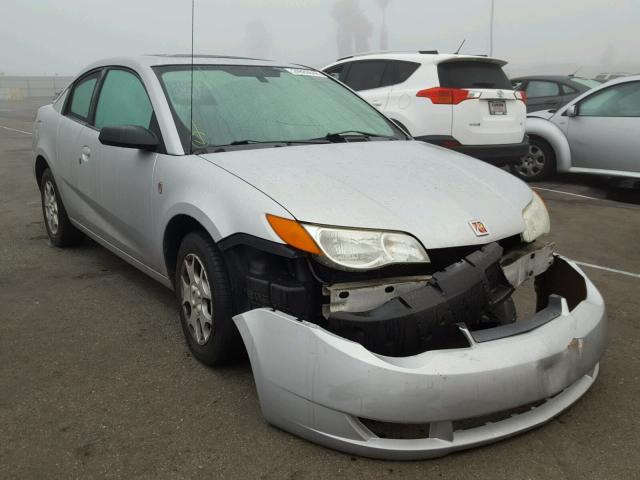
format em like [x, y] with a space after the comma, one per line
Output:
[521, 95]
[448, 96]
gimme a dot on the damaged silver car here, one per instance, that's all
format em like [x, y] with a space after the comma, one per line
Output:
[370, 277]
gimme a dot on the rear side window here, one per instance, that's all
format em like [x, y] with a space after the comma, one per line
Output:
[402, 71]
[539, 88]
[123, 101]
[82, 95]
[58, 103]
[366, 75]
[472, 74]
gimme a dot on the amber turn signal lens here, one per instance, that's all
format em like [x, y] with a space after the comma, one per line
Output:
[293, 234]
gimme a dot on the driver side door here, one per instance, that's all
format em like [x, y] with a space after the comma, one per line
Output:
[604, 134]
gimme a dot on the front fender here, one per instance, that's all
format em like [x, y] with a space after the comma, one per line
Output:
[550, 132]
[221, 202]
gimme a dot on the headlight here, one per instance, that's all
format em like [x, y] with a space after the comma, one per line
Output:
[536, 219]
[349, 249]
[365, 249]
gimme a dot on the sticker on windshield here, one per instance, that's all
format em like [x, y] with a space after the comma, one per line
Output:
[304, 72]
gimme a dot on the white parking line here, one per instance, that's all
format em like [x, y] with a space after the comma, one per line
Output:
[16, 130]
[567, 193]
[607, 269]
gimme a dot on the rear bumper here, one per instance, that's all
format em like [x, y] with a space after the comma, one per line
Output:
[318, 385]
[498, 155]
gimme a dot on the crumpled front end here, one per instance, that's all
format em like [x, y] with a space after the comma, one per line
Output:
[331, 384]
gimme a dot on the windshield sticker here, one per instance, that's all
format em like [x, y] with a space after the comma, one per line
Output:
[304, 72]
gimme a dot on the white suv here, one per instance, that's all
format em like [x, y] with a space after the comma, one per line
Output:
[461, 102]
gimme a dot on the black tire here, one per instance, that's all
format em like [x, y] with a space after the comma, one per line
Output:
[223, 344]
[61, 232]
[539, 164]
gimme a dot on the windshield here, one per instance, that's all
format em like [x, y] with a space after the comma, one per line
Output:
[586, 82]
[237, 104]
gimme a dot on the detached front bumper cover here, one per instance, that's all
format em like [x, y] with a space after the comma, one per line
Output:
[319, 386]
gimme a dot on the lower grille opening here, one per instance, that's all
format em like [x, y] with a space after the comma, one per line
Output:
[416, 431]
[475, 422]
[398, 431]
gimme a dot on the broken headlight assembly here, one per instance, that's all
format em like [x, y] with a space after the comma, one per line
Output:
[536, 219]
[350, 249]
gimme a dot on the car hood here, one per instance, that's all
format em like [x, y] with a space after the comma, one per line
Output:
[546, 114]
[408, 186]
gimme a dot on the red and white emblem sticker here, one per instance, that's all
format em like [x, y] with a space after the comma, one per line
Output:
[479, 228]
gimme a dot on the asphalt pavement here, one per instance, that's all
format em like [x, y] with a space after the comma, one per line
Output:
[96, 380]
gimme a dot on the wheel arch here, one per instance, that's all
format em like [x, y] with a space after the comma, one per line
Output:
[39, 168]
[550, 133]
[179, 226]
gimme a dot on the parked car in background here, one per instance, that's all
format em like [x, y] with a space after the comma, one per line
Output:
[597, 133]
[462, 102]
[605, 77]
[370, 276]
[548, 92]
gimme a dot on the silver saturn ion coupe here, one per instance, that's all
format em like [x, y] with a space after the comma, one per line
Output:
[369, 276]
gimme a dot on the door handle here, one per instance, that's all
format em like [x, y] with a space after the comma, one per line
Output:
[376, 103]
[85, 155]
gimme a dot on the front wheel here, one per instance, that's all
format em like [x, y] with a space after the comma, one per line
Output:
[538, 164]
[206, 307]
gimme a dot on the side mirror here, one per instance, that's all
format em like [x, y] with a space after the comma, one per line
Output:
[129, 136]
[572, 111]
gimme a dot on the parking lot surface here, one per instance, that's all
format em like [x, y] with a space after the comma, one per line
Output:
[97, 381]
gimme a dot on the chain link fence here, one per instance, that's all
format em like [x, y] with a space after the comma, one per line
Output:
[21, 87]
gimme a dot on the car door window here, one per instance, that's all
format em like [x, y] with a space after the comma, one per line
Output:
[621, 100]
[539, 88]
[58, 103]
[82, 96]
[366, 75]
[123, 101]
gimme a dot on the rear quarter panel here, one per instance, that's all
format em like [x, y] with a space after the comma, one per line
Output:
[418, 114]
[45, 130]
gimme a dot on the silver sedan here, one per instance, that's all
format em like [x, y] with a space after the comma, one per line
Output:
[368, 276]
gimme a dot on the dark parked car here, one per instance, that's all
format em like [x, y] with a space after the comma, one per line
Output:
[549, 92]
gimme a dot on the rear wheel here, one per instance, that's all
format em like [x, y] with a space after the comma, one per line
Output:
[59, 228]
[538, 164]
[206, 308]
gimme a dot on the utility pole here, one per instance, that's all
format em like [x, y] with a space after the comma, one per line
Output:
[493, 5]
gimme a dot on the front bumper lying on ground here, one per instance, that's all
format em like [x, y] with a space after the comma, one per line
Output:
[325, 388]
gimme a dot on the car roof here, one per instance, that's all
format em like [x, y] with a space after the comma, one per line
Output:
[553, 78]
[545, 77]
[140, 62]
[433, 58]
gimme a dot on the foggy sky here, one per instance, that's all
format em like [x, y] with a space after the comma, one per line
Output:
[39, 37]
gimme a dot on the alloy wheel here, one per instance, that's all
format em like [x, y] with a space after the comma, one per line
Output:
[50, 204]
[532, 164]
[195, 298]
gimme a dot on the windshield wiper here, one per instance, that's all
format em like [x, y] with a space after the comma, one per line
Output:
[258, 142]
[275, 143]
[343, 136]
